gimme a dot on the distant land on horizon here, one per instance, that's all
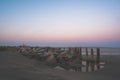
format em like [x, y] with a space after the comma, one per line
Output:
[89, 45]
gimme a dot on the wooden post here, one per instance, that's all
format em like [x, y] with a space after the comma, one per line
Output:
[92, 60]
[75, 51]
[69, 49]
[87, 61]
[98, 58]
[80, 54]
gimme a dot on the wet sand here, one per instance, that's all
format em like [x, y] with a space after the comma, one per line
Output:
[14, 66]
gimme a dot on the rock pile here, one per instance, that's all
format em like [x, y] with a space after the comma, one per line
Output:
[62, 58]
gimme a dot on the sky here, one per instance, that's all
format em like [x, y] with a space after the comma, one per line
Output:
[85, 23]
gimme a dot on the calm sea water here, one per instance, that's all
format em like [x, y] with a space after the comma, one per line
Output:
[104, 51]
[110, 51]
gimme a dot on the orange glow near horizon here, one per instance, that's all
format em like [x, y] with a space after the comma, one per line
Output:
[60, 37]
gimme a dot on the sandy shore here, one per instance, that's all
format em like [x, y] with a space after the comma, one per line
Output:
[14, 66]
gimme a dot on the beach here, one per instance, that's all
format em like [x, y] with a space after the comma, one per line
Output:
[59, 39]
[14, 66]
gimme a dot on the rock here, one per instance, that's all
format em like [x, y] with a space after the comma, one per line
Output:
[59, 68]
[50, 58]
[72, 70]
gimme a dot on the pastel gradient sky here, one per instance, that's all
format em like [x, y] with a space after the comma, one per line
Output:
[60, 22]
